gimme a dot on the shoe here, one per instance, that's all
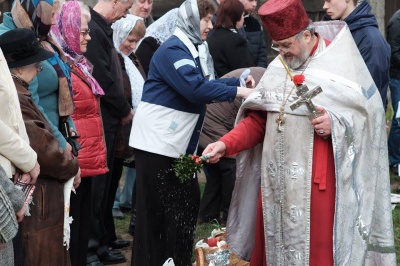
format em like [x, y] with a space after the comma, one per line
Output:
[117, 213]
[117, 244]
[125, 208]
[131, 230]
[95, 263]
[112, 259]
[115, 252]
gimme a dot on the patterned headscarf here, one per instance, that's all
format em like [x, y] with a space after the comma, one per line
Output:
[189, 22]
[122, 28]
[163, 27]
[69, 25]
[37, 15]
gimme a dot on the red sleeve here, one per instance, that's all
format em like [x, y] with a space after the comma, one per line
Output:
[247, 134]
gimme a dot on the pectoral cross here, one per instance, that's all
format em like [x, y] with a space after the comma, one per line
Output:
[280, 121]
[305, 96]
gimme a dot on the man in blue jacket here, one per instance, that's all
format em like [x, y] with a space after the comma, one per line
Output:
[372, 45]
[393, 37]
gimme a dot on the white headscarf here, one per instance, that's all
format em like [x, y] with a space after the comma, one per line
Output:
[122, 28]
[163, 27]
[189, 22]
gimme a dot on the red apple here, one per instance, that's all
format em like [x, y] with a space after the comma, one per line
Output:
[212, 242]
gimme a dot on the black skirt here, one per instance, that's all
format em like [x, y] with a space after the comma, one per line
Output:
[166, 212]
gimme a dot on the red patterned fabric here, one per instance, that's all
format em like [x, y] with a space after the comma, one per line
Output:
[322, 198]
[283, 18]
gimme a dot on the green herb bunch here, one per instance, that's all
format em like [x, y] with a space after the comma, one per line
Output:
[186, 166]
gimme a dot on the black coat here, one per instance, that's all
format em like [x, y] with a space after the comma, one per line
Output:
[145, 52]
[107, 70]
[254, 34]
[393, 37]
[229, 51]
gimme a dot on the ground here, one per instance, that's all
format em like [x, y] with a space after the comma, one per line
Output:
[205, 229]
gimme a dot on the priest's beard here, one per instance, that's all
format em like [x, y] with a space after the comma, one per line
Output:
[297, 61]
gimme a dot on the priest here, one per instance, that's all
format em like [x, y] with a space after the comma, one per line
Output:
[313, 152]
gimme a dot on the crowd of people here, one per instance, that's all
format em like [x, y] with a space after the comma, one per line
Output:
[298, 160]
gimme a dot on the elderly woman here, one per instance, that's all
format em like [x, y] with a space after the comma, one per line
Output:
[17, 159]
[234, 54]
[73, 34]
[42, 232]
[166, 125]
[126, 34]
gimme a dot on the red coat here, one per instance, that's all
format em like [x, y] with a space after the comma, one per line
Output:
[92, 157]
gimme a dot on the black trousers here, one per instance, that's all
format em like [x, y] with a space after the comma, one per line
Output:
[217, 193]
[166, 212]
[99, 239]
[80, 227]
[108, 217]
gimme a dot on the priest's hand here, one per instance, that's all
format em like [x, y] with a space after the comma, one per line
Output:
[250, 82]
[322, 124]
[216, 150]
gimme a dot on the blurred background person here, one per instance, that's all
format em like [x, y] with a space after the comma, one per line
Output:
[221, 176]
[143, 8]
[235, 53]
[372, 45]
[254, 34]
[156, 34]
[251, 31]
[393, 37]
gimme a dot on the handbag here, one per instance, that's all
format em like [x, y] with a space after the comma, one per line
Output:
[72, 140]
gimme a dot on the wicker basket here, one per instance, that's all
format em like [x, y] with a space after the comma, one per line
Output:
[202, 252]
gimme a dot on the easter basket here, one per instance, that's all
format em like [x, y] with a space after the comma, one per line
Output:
[219, 255]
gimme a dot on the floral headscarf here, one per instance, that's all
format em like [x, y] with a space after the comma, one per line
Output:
[69, 24]
[163, 27]
[122, 28]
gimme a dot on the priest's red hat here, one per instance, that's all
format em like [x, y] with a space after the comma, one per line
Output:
[283, 18]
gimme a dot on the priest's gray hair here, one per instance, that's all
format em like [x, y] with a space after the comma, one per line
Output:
[310, 27]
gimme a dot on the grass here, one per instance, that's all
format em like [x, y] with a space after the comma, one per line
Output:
[396, 226]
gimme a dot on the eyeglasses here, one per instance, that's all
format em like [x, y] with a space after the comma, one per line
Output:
[38, 67]
[85, 32]
[284, 47]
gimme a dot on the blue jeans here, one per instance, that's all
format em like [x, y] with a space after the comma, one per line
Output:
[125, 199]
[394, 135]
